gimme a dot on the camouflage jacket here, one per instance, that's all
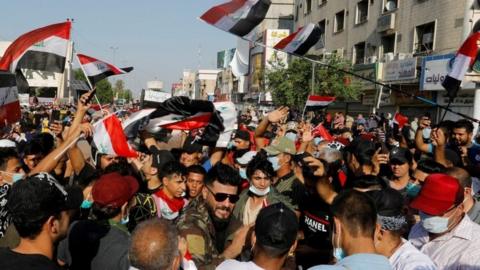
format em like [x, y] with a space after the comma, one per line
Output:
[196, 226]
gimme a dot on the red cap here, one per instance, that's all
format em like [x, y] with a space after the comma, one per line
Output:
[114, 190]
[438, 194]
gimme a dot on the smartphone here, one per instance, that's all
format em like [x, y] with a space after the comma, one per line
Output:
[91, 95]
[55, 116]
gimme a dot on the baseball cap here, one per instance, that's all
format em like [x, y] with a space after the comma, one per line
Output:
[276, 226]
[282, 145]
[242, 135]
[113, 190]
[400, 155]
[246, 158]
[191, 147]
[438, 194]
[40, 196]
[161, 157]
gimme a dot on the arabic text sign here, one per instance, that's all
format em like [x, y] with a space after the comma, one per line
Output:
[434, 71]
[400, 70]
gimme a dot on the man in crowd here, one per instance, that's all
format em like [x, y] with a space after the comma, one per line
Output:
[274, 239]
[195, 180]
[471, 204]
[155, 246]
[170, 198]
[241, 140]
[102, 243]
[281, 154]
[206, 222]
[355, 220]
[39, 207]
[151, 167]
[445, 233]
[400, 162]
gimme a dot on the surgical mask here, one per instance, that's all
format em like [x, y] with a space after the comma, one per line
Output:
[259, 192]
[274, 161]
[230, 145]
[15, 176]
[86, 204]
[338, 252]
[317, 140]
[434, 224]
[412, 189]
[426, 133]
[125, 220]
[243, 173]
[291, 136]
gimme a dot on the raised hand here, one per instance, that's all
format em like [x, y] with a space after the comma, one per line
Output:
[278, 114]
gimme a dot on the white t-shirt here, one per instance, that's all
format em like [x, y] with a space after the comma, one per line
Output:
[234, 264]
[408, 257]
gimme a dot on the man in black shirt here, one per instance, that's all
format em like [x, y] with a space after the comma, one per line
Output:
[39, 208]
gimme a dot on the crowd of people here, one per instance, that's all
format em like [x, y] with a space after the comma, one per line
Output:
[331, 192]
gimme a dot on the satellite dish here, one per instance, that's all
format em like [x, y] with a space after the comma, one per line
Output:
[390, 5]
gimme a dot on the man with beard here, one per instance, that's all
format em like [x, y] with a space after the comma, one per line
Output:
[463, 134]
[207, 224]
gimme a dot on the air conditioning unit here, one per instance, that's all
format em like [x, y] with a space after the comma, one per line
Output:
[401, 56]
[388, 57]
[339, 52]
[372, 59]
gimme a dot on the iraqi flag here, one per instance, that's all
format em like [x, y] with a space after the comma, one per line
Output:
[41, 49]
[301, 41]
[321, 131]
[238, 17]
[318, 102]
[109, 138]
[400, 120]
[97, 70]
[9, 103]
[463, 61]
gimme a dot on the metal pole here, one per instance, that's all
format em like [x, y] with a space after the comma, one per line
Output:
[313, 78]
[88, 82]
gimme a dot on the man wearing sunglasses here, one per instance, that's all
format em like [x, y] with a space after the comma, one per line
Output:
[213, 235]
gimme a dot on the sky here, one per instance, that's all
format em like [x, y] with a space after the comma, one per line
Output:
[158, 38]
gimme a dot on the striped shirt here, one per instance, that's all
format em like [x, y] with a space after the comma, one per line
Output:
[457, 249]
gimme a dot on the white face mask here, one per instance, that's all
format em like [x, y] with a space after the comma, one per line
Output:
[15, 176]
[435, 224]
[259, 192]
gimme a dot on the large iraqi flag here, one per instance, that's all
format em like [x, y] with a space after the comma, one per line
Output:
[9, 103]
[318, 102]
[97, 70]
[238, 17]
[109, 138]
[301, 41]
[41, 49]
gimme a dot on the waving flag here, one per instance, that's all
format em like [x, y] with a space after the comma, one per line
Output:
[321, 131]
[41, 49]
[238, 17]
[97, 70]
[464, 60]
[318, 102]
[400, 120]
[9, 103]
[301, 41]
[109, 138]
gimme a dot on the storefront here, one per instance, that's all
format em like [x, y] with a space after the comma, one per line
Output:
[434, 70]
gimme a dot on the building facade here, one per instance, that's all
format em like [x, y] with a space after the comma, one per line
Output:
[388, 39]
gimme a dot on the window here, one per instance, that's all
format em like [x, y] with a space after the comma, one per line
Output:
[339, 22]
[388, 44]
[308, 6]
[362, 12]
[424, 37]
[390, 5]
[321, 42]
[322, 2]
[359, 53]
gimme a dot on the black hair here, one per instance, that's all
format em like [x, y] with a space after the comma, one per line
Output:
[357, 212]
[430, 166]
[172, 167]
[32, 148]
[464, 123]
[363, 151]
[198, 169]
[6, 154]
[262, 164]
[46, 142]
[104, 213]
[272, 252]
[224, 174]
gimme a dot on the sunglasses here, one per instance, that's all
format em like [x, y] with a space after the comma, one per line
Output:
[221, 197]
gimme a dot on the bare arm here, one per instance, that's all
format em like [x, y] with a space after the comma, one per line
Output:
[419, 143]
[439, 140]
[272, 117]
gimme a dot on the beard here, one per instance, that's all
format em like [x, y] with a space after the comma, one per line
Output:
[219, 223]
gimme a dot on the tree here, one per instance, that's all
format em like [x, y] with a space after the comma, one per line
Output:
[78, 74]
[291, 86]
[104, 87]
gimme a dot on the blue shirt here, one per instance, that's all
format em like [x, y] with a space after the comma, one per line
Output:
[361, 261]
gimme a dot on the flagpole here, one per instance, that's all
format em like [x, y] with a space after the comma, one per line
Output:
[88, 81]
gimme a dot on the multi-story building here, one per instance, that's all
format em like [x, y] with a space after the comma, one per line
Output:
[391, 41]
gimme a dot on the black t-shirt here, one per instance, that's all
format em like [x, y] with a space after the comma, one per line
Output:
[316, 222]
[10, 260]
